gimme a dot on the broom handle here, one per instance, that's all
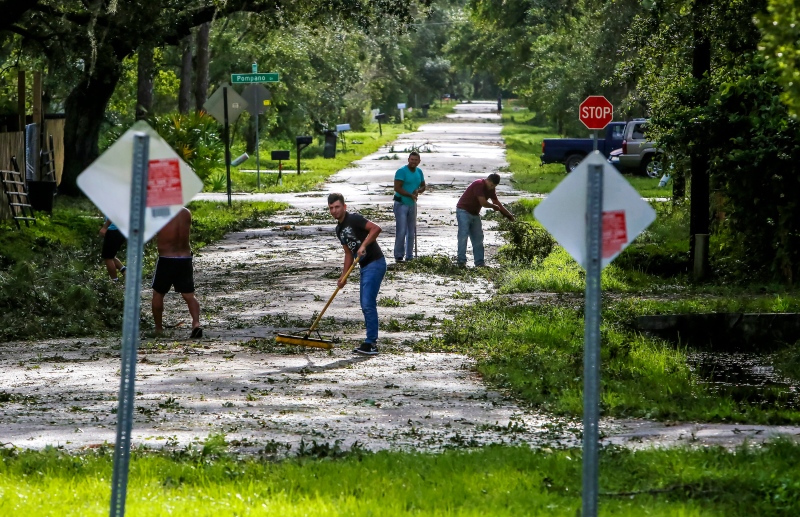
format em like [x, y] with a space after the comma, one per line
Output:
[316, 321]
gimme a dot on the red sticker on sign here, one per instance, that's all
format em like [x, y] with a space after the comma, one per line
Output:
[615, 234]
[164, 183]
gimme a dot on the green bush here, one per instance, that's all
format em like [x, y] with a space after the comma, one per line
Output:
[526, 243]
[195, 137]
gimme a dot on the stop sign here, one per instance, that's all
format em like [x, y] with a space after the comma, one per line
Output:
[596, 112]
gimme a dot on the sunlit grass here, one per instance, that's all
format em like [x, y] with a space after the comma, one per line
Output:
[536, 351]
[559, 273]
[495, 481]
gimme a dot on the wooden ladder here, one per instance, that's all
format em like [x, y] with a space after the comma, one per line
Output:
[48, 162]
[17, 196]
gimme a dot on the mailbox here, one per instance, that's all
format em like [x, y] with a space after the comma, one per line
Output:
[329, 149]
[380, 117]
[279, 156]
[341, 128]
[302, 142]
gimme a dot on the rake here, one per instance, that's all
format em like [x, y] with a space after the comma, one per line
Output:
[307, 340]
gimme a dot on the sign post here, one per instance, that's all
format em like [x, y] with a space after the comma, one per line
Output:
[596, 112]
[130, 326]
[594, 214]
[140, 183]
[226, 105]
[227, 137]
[591, 340]
[258, 157]
[258, 99]
[254, 95]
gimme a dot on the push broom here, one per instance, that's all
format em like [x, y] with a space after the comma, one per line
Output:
[307, 340]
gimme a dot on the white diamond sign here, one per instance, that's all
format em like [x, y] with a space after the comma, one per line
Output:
[171, 183]
[625, 213]
[215, 105]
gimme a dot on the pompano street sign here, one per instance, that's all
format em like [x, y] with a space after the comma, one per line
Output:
[255, 78]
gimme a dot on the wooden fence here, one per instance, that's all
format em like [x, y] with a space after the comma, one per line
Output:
[13, 144]
[55, 127]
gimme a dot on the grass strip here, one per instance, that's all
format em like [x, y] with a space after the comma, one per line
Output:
[536, 352]
[496, 480]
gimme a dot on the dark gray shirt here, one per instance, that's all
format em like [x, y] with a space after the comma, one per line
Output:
[352, 232]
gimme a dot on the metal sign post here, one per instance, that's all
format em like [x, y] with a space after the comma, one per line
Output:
[594, 213]
[258, 161]
[130, 326]
[591, 333]
[227, 142]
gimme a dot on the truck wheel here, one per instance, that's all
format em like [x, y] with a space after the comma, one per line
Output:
[572, 161]
[653, 166]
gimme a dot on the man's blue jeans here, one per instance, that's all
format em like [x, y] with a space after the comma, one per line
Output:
[469, 226]
[405, 217]
[371, 278]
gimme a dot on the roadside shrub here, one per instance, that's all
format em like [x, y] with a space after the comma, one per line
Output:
[195, 137]
[526, 243]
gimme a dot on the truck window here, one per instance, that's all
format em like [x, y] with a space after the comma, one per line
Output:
[619, 132]
[638, 132]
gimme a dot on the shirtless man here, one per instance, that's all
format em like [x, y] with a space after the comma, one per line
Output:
[174, 267]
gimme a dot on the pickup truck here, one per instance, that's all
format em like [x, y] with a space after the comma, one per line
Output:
[570, 151]
[639, 153]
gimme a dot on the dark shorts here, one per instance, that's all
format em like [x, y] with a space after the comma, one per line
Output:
[173, 271]
[112, 242]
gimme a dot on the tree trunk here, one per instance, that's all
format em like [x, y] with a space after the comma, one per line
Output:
[144, 82]
[85, 110]
[201, 66]
[185, 92]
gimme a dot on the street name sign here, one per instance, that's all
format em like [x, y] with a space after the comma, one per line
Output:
[171, 183]
[625, 213]
[271, 77]
[596, 112]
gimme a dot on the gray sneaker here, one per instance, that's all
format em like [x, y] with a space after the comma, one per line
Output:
[366, 349]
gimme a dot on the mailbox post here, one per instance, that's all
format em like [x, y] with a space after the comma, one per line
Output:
[279, 156]
[380, 117]
[302, 142]
[341, 128]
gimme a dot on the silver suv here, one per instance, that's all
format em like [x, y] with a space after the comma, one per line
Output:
[638, 153]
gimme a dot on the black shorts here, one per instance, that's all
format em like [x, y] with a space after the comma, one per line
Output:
[173, 271]
[112, 242]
